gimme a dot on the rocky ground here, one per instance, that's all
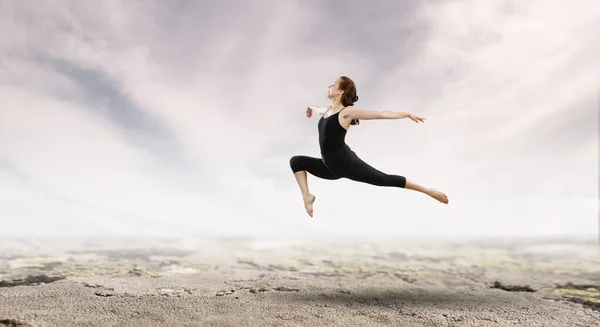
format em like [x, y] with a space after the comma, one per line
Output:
[251, 282]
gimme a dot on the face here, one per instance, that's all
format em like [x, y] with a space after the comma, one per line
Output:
[334, 90]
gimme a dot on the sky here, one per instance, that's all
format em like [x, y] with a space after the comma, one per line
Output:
[180, 117]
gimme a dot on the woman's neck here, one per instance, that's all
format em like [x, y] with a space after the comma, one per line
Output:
[336, 105]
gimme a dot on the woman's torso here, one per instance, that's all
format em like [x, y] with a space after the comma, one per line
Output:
[332, 136]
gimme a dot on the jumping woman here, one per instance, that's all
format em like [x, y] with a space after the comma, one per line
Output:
[337, 159]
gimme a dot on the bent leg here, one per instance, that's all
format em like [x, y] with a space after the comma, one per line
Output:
[314, 166]
[300, 165]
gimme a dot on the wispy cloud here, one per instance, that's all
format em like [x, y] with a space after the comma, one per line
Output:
[96, 92]
[181, 116]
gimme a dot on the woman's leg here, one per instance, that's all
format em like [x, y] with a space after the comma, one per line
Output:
[429, 191]
[300, 166]
[358, 170]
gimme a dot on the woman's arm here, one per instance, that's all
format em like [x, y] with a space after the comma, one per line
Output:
[310, 110]
[357, 113]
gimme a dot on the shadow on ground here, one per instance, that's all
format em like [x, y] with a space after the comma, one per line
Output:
[421, 298]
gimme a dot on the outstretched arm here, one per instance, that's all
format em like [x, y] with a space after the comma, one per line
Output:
[357, 113]
[310, 110]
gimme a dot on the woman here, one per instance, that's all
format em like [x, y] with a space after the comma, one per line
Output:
[337, 159]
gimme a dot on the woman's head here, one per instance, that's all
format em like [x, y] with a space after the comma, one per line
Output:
[344, 89]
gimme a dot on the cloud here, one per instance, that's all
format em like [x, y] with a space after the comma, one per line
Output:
[105, 98]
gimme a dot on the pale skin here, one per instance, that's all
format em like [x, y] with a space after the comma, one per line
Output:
[348, 115]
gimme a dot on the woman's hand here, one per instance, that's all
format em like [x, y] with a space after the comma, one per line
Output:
[309, 112]
[416, 119]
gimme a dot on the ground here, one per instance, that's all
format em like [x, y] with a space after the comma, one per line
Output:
[292, 282]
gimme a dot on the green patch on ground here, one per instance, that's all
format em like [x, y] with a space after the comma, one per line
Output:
[111, 269]
[307, 265]
[197, 266]
[508, 263]
[587, 295]
[34, 262]
[41, 260]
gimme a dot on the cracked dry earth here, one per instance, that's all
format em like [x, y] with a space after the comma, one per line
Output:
[247, 282]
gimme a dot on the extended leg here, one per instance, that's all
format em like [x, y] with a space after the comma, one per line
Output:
[358, 170]
[429, 191]
[300, 166]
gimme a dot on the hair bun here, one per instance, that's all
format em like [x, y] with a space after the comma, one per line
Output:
[355, 98]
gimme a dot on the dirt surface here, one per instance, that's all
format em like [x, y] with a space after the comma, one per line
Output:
[252, 282]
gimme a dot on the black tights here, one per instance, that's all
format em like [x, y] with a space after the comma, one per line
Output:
[344, 163]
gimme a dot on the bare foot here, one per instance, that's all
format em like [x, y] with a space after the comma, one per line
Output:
[438, 196]
[308, 204]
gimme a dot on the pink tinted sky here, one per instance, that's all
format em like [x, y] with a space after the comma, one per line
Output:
[181, 118]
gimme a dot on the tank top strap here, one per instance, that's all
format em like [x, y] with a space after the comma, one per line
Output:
[340, 110]
[329, 108]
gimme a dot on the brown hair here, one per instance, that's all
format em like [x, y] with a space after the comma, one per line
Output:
[349, 96]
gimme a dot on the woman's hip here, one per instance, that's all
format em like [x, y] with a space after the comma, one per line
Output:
[338, 160]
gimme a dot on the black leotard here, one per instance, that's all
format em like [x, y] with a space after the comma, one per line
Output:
[332, 136]
[339, 161]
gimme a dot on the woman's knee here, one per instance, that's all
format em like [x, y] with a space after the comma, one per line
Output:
[296, 164]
